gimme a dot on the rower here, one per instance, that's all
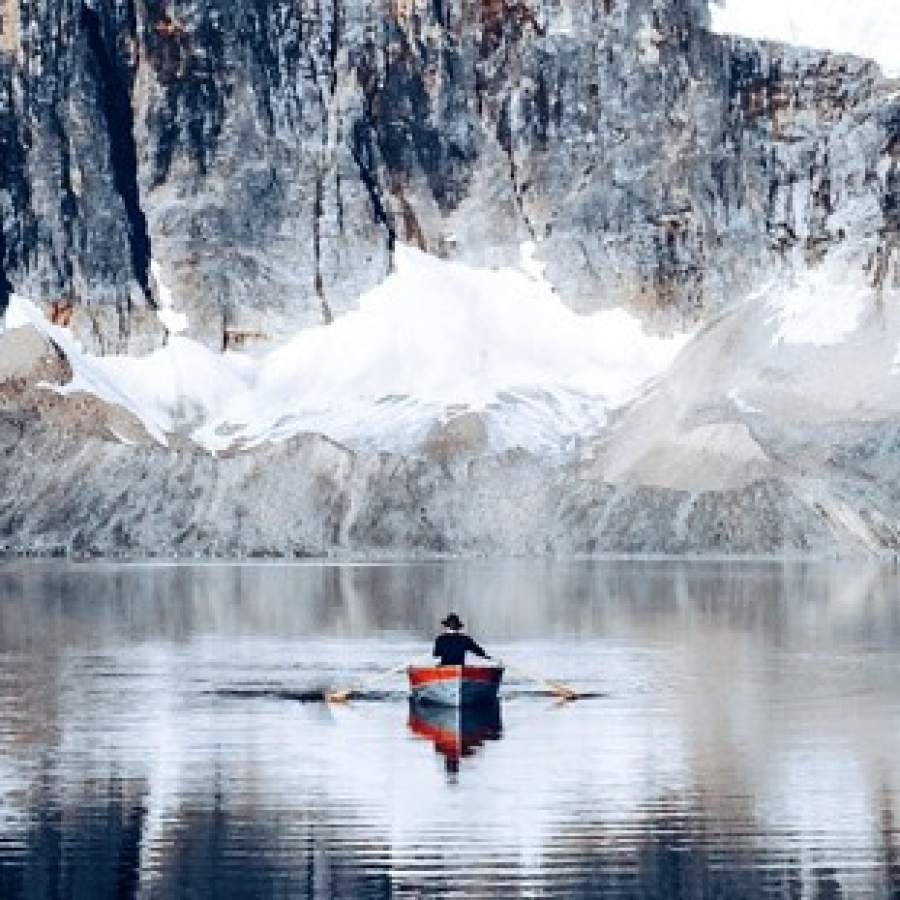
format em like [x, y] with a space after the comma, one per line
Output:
[453, 644]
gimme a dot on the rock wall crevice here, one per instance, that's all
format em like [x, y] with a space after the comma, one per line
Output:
[364, 156]
[6, 287]
[115, 93]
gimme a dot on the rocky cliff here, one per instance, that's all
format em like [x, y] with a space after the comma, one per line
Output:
[260, 160]
[257, 166]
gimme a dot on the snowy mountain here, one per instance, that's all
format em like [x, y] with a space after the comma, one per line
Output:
[485, 277]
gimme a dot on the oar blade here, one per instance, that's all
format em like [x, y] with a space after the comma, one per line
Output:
[339, 696]
[564, 692]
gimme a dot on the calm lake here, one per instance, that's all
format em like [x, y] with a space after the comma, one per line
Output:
[161, 736]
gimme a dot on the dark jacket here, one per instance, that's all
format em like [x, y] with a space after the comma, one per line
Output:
[452, 647]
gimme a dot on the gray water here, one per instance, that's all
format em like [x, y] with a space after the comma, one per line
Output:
[162, 732]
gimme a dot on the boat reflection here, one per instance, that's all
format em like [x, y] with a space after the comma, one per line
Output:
[455, 731]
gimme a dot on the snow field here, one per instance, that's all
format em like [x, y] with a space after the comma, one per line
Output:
[434, 339]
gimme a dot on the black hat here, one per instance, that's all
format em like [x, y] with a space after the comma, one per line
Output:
[452, 621]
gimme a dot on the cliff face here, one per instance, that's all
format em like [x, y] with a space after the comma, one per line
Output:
[258, 163]
[260, 160]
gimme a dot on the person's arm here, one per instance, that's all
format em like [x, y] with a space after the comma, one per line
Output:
[437, 646]
[476, 649]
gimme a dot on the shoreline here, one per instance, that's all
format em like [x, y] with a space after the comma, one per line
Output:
[400, 558]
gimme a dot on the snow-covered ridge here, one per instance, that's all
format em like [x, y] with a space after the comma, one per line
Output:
[433, 340]
[868, 28]
[822, 307]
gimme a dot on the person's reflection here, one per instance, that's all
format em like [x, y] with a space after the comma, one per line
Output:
[455, 731]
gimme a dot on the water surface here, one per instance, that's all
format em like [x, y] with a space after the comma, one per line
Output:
[160, 736]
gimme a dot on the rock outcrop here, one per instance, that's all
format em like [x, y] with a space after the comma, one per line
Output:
[268, 155]
[306, 497]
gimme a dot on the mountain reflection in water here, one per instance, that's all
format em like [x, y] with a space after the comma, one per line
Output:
[158, 735]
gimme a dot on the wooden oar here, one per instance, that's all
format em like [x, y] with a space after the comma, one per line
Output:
[557, 688]
[344, 695]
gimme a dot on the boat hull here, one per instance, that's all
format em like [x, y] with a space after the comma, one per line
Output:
[456, 686]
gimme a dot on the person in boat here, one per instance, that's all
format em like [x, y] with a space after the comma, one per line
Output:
[451, 646]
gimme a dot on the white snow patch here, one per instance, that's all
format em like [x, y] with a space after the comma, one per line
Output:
[869, 28]
[438, 335]
[173, 322]
[122, 439]
[561, 21]
[823, 308]
[21, 312]
[175, 384]
[179, 386]
[649, 40]
[743, 406]
[435, 338]
[528, 264]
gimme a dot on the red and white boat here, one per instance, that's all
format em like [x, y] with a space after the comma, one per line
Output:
[455, 685]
